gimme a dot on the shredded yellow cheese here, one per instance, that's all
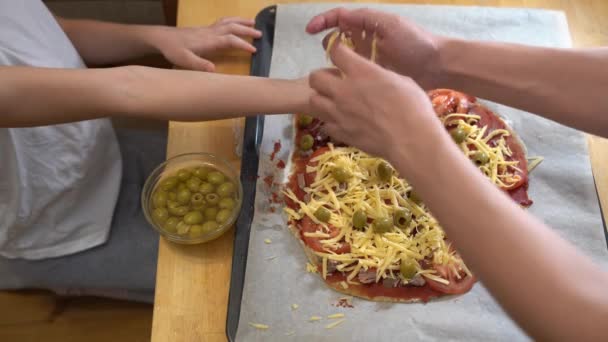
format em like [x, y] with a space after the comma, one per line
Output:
[337, 315]
[259, 326]
[310, 268]
[334, 324]
[294, 306]
[315, 318]
[267, 241]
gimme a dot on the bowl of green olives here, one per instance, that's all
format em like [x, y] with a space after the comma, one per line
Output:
[192, 198]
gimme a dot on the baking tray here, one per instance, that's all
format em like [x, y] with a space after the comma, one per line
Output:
[254, 126]
[252, 137]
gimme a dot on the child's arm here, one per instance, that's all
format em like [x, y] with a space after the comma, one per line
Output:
[40, 96]
[101, 43]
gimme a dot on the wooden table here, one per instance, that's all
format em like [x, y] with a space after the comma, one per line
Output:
[192, 281]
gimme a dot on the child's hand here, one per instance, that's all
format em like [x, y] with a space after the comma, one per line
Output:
[187, 47]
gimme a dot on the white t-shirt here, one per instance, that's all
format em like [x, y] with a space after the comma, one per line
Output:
[58, 184]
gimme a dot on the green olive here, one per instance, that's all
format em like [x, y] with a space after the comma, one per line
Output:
[178, 211]
[183, 196]
[414, 197]
[306, 142]
[193, 184]
[304, 120]
[199, 206]
[223, 216]
[210, 226]
[359, 219]
[481, 157]
[182, 228]
[227, 203]
[196, 230]
[458, 134]
[340, 174]
[210, 214]
[172, 195]
[197, 199]
[216, 177]
[160, 199]
[201, 172]
[226, 189]
[206, 188]
[322, 214]
[212, 198]
[193, 217]
[181, 186]
[184, 175]
[171, 224]
[385, 171]
[160, 215]
[382, 225]
[402, 218]
[169, 183]
[408, 269]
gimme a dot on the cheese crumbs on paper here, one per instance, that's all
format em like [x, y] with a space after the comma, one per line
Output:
[294, 306]
[267, 241]
[315, 318]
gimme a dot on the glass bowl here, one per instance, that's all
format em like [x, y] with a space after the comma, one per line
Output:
[190, 161]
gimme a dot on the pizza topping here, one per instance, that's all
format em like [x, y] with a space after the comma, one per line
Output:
[306, 142]
[368, 276]
[367, 227]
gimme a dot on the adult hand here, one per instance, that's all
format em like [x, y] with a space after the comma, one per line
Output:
[188, 48]
[372, 108]
[401, 45]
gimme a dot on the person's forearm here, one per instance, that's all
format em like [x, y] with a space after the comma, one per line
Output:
[550, 289]
[565, 85]
[103, 43]
[41, 96]
[193, 96]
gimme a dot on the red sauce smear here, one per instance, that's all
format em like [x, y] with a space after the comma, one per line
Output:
[276, 149]
[268, 180]
[423, 293]
[281, 164]
[343, 303]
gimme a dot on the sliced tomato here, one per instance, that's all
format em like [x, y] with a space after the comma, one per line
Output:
[309, 177]
[308, 225]
[448, 101]
[456, 285]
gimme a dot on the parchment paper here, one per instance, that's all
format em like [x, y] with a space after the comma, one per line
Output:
[562, 189]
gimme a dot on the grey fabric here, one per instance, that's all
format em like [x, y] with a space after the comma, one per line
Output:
[125, 266]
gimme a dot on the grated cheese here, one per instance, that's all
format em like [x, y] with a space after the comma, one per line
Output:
[337, 315]
[315, 318]
[334, 324]
[259, 326]
[267, 241]
[310, 268]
